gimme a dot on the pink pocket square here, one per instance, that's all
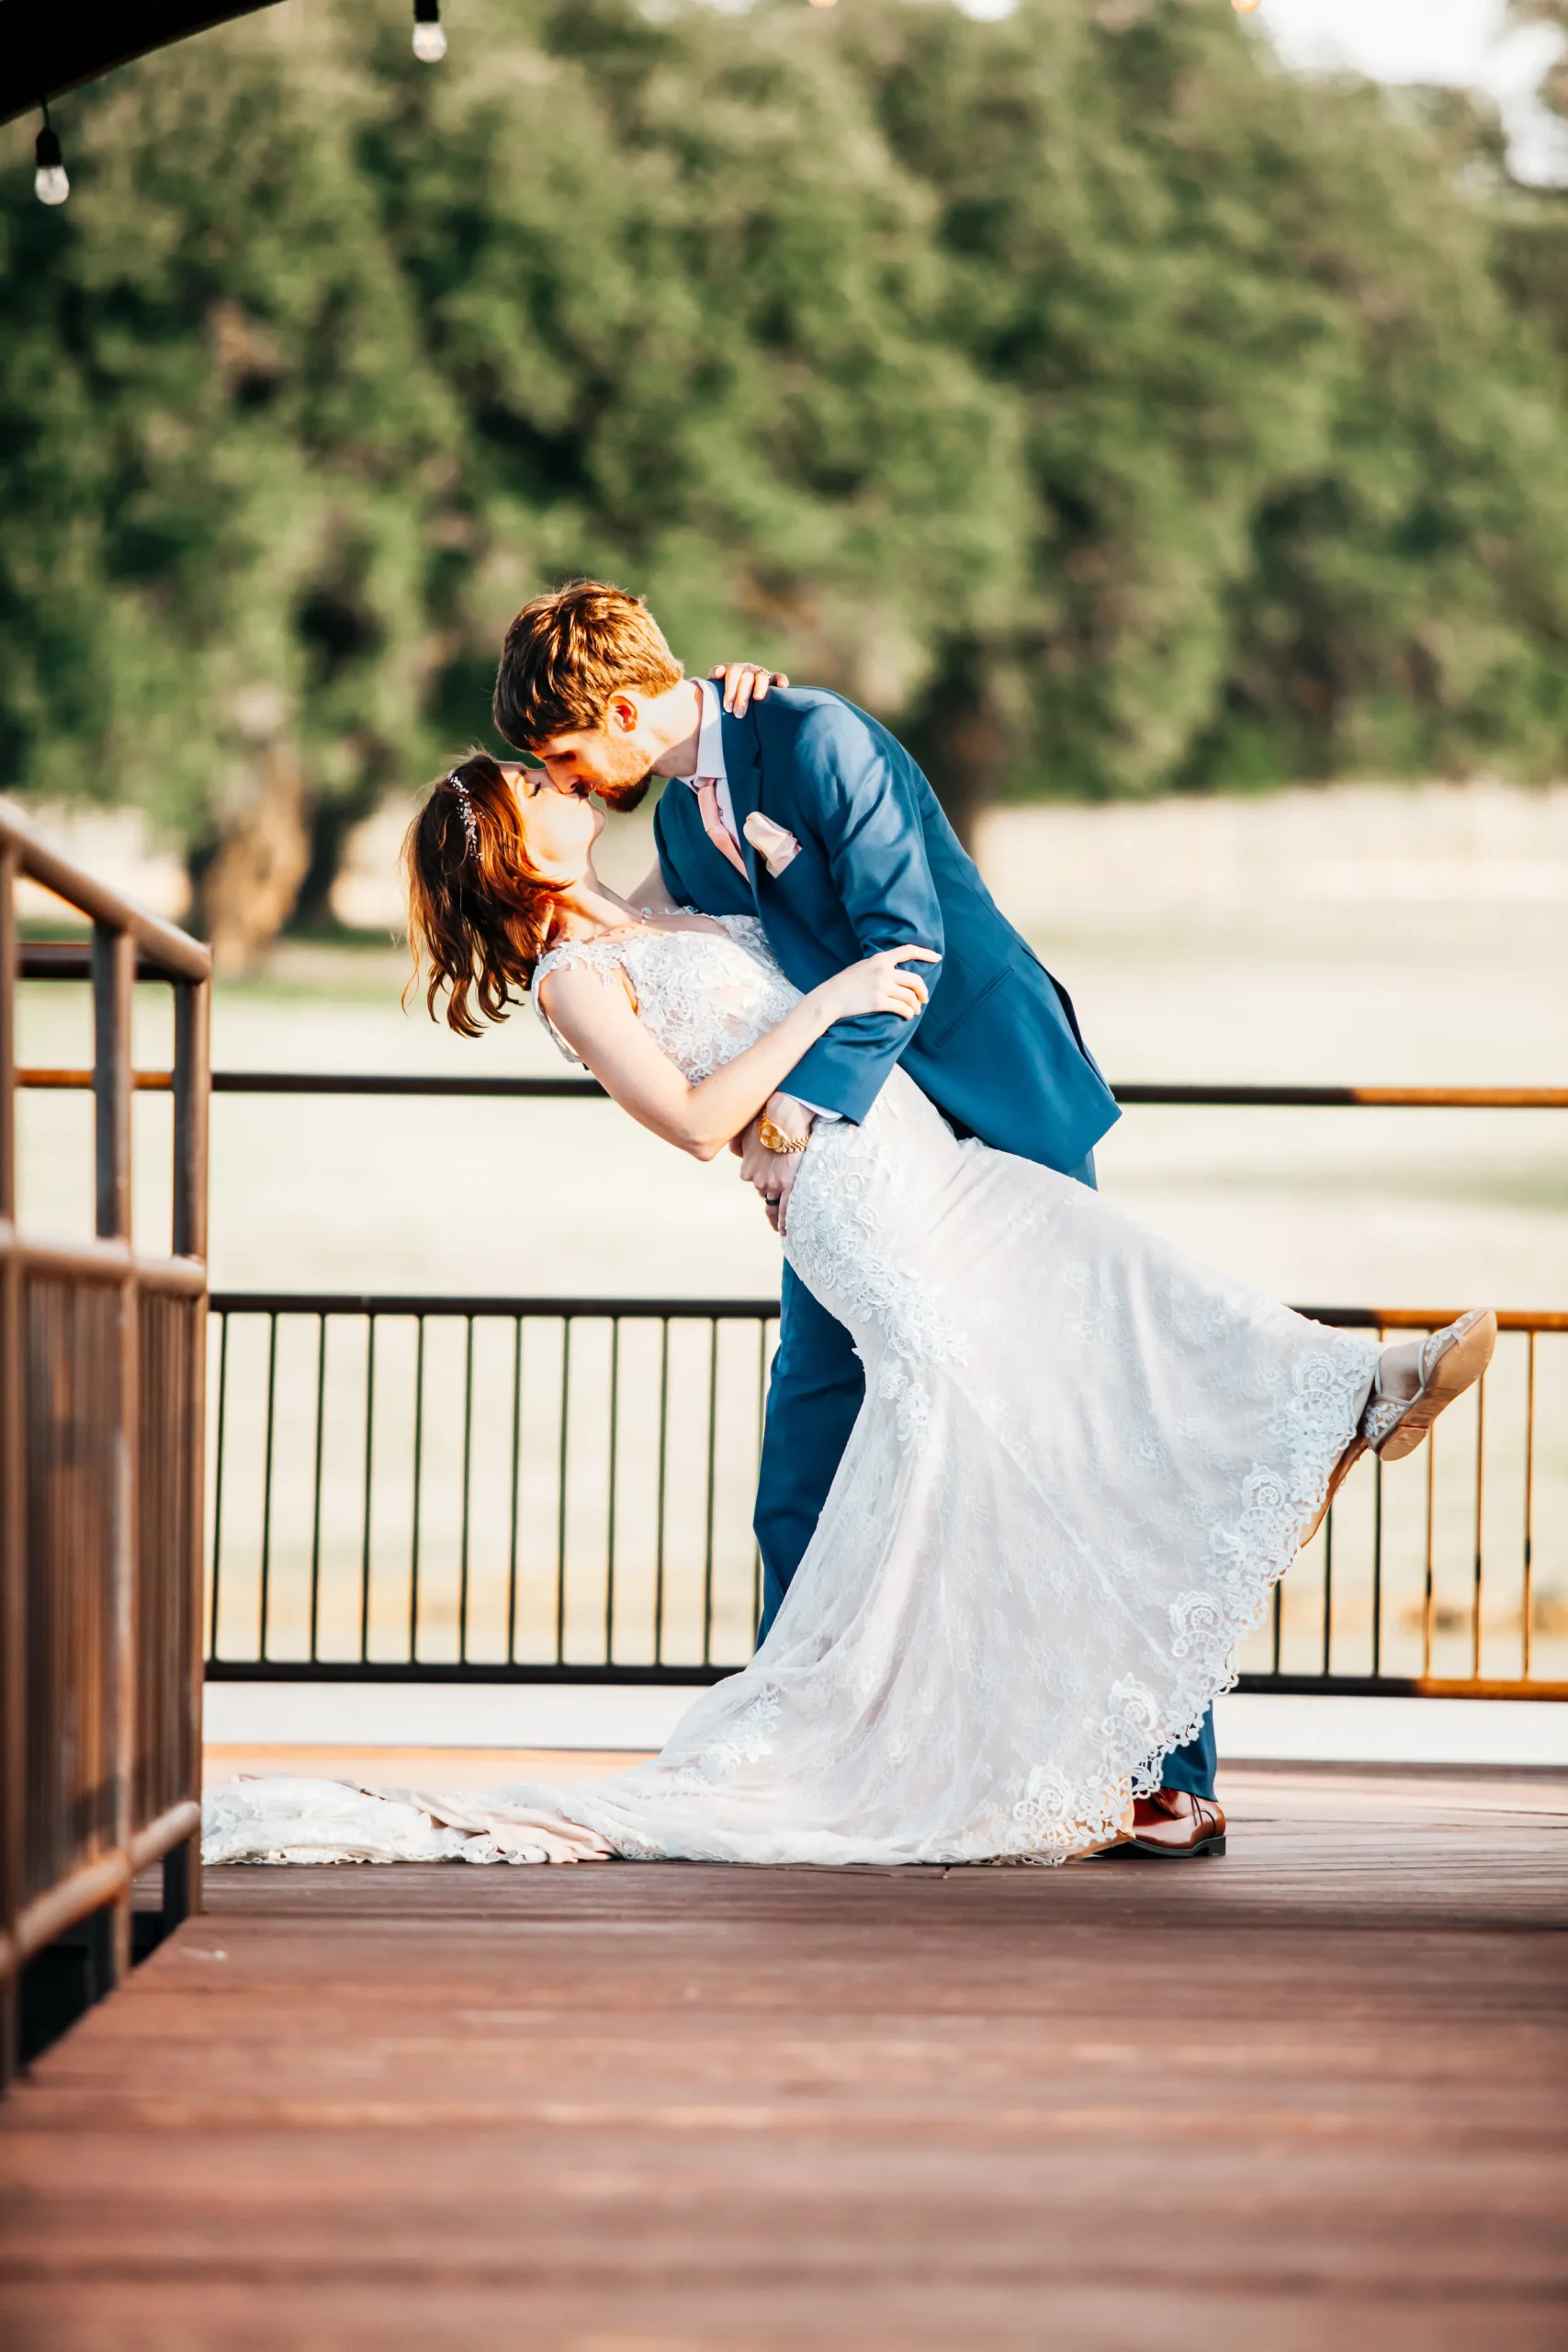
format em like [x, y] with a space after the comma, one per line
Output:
[774, 843]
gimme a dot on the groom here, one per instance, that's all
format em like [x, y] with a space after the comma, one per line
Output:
[803, 812]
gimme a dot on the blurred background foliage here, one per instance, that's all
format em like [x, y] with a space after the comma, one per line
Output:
[1111, 410]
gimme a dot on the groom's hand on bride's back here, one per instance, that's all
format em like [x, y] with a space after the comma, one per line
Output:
[745, 683]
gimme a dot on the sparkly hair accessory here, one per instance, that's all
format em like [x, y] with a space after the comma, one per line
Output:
[471, 822]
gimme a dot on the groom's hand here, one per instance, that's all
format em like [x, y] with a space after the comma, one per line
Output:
[745, 683]
[774, 1172]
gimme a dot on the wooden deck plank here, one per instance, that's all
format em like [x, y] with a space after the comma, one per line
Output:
[1309, 2097]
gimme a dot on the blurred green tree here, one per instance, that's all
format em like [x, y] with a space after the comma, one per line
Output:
[693, 311]
[1105, 407]
[1532, 221]
[333, 360]
[218, 439]
[1299, 474]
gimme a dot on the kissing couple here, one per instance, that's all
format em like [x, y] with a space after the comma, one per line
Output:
[1029, 1474]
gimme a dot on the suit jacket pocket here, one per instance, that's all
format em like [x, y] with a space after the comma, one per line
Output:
[939, 1023]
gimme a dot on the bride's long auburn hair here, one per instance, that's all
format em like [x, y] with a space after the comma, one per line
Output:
[478, 919]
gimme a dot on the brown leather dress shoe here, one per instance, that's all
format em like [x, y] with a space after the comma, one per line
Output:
[1177, 1824]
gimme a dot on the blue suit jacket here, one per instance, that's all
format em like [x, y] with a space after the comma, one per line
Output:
[998, 1048]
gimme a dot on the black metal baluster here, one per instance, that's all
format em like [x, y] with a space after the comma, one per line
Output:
[610, 1525]
[761, 1432]
[468, 1480]
[1529, 1505]
[663, 1484]
[1377, 1563]
[1476, 1598]
[1429, 1601]
[561, 1489]
[418, 1488]
[1328, 1592]
[707, 1530]
[369, 1469]
[516, 1483]
[218, 1475]
[1377, 1546]
[316, 1485]
[264, 1595]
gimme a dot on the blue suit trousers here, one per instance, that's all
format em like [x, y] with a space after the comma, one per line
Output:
[814, 1395]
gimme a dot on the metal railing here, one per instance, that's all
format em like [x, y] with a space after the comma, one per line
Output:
[491, 1489]
[485, 1488]
[102, 1406]
[442, 1488]
[1430, 1578]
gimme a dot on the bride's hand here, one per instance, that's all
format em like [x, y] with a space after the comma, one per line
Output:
[745, 682]
[878, 985]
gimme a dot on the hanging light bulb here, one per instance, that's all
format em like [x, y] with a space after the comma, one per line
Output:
[429, 40]
[1245, 8]
[50, 183]
[824, 3]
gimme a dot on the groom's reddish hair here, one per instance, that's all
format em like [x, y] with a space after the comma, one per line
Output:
[567, 651]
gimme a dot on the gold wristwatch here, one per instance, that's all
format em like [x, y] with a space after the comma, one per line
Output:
[773, 1138]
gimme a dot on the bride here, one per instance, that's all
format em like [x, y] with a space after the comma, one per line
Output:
[1082, 1464]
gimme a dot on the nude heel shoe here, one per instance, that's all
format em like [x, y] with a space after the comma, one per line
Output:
[1451, 1360]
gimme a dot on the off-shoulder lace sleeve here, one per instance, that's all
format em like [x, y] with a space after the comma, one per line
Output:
[604, 956]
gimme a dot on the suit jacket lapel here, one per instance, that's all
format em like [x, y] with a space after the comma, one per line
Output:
[696, 855]
[743, 768]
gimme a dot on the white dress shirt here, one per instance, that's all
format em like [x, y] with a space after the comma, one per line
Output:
[710, 758]
[710, 762]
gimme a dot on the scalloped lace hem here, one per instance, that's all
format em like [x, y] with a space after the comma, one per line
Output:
[1057, 1823]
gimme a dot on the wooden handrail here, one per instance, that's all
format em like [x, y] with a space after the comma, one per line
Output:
[174, 952]
[102, 1881]
[102, 1397]
[71, 960]
[104, 1262]
[80, 1082]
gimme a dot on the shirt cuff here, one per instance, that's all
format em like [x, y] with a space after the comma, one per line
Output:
[815, 1108]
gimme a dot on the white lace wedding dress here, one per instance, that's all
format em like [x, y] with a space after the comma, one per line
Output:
[1082, 1463]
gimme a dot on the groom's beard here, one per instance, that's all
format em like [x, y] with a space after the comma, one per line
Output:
[624, 797]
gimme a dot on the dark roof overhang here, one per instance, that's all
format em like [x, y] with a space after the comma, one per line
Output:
[51, 46]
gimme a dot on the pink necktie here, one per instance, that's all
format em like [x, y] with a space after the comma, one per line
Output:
[714, 825]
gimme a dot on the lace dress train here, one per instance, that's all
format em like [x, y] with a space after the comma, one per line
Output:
[1082, 1464]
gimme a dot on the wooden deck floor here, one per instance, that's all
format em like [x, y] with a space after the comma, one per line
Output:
[1315, 2095]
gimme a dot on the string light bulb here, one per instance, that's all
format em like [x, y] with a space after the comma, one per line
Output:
[50, 183]
[1247, 7]
[429, 38]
